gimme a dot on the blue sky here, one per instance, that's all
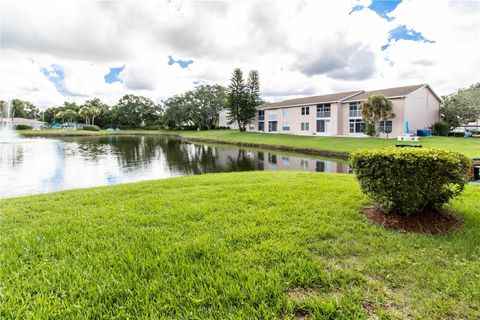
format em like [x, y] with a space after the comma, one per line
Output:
[112, 76]
[182, 63]
[55, 74]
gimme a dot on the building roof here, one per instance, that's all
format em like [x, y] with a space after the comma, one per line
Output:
[398, 92]
[26, 121]
[333, 97]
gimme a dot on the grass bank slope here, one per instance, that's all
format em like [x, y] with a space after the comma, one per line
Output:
[229, 246]
[335, 145]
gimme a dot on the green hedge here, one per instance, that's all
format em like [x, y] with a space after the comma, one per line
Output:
[91, 127]
[411, 180]
[23, 127]
[441, 128]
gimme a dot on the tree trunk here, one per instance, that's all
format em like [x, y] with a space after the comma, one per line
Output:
[239, 125]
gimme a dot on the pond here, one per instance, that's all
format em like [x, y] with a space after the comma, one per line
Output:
[40, 165]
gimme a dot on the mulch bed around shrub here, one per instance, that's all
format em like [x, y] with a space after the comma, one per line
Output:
[431, 222]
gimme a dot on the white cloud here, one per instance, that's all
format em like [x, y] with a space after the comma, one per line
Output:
[299, 47]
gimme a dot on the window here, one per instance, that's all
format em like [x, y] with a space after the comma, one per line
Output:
[320, 166]
[261, 156]
[323, 110]
[323, 125]
[272, 158]
[386, 126]
[272, 126]
[355, 125]
[286, 112]
[285, 126]
[261, 126]
[304, 163]
[251, 126]
[305, 111]
[355, 110]
[286, 161]
[272, 115]
[261, 115]
[305, 126]
[272, 161]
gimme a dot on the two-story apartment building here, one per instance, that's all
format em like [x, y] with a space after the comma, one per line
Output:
[340, 114]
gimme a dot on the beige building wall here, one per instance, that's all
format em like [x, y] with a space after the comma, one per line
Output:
[293, 116]
[422, 109]
[398, 123]
[223, 120]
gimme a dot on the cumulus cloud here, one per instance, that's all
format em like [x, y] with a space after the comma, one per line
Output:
[299, 47]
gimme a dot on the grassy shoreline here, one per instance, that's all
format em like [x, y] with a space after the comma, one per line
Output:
[338, 147]
[237, 245]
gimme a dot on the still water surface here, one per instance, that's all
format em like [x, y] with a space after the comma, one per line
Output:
[39, 165]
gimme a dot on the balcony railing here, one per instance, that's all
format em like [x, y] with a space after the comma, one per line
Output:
[355, 113]
[324, 114]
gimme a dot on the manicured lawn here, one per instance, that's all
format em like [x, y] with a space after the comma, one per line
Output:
[470, 147]
[227, 246]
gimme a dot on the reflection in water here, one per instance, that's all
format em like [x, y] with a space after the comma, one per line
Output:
[44, 165]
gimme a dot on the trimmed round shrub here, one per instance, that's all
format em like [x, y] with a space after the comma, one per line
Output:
[441, 128]
[91, 127]
[410, 180]
[23, 127]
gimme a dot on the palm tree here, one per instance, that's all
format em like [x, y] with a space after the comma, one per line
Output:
[377, 108]
[70, 114]
[86, 113]
[95, 112]
[60, 115]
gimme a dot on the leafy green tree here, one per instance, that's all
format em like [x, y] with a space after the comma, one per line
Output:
[178, 112]
[31, 111]
[136, 111]
[18, 108]
[98, 109]
[461, 107]
[70, 115]
[197, 108]
[49, 114]
[60, 115]
[206, 103]
[86, 113]
[377, 108]
[243, 98]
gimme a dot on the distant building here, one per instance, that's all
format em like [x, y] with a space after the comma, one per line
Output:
[29, 122]
[340, 114]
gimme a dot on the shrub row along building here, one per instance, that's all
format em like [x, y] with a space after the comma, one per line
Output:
[340, 114]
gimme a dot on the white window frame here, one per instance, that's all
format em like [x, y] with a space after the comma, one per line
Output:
[324, 110]
[286, 112]
[357, 112]
[384, 124]
[305, 111]
[272, 115]
[261, 115]
[354, 121]
[305, 126]
[285, 125]
[304, 163]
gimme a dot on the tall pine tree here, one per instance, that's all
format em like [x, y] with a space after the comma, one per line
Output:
[243, 98]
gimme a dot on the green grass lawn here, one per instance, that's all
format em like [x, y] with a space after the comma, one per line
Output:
[470, 147]
[227, 246]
